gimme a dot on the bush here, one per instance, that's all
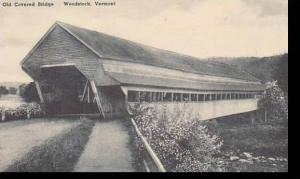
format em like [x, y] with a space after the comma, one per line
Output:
[21, 112]
[29, 92]
[275, 104]
[181, 141]
[3, 90]
[12, 90]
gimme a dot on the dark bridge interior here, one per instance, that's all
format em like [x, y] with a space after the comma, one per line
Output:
[62, 88]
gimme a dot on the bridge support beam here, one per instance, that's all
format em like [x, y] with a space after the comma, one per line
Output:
[95, 91]
[38, 88]
[84, 90]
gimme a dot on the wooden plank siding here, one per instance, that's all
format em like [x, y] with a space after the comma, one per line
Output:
[38, 88]
[113, 101]
[60, 47]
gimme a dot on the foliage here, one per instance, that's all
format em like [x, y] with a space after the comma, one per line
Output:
[21, 112]
[29, 92]
[181, 142]
[3, 90]
[12, 90]
[280, 74]
[2, 109]
[274, 104]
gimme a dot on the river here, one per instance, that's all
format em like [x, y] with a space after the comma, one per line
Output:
[11, 101]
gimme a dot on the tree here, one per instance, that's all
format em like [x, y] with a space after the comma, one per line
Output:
[29, 92]
[274, 104]
[3, 90]
[22, 88]
[12, 90]
[280, 74]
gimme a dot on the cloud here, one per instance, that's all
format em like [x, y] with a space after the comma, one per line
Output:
[147, 9]
[269, 7]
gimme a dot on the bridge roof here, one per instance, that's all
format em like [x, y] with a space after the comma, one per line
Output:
[110, 47]
[128, 79]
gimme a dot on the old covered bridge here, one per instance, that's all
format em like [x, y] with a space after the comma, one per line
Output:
[82, 71]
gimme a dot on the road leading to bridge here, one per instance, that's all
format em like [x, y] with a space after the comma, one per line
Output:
[107, 150]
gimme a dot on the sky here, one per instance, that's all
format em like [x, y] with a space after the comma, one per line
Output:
[200, 28]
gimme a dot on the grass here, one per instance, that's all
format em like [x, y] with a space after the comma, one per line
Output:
[58, 154]
[264, 140]
[260, 139]
[138, 160]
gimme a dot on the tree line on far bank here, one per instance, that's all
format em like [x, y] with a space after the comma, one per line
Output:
[26, 91]
[4, 90]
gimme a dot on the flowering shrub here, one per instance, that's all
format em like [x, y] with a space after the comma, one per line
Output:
[30, 110]
[181, 142]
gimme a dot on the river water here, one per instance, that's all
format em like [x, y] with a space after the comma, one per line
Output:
[11, 101]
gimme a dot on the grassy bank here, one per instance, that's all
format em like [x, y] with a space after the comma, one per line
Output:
[266, 142]
[138, 159]
[58, 154]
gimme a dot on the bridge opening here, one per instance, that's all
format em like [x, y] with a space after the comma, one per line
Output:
[66, 91]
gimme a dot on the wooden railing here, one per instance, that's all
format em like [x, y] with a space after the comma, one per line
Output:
[150, 151]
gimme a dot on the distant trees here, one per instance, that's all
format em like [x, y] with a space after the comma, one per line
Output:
[12, 90]
[28, 92]
[3, 90]
[280, 74]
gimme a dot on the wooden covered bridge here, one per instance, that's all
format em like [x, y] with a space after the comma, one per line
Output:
[81, 71]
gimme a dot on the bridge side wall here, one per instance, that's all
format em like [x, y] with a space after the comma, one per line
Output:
[112, 100]
[208, 109]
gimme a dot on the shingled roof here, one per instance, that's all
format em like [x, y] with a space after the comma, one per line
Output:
[110, 47]
[129, 79]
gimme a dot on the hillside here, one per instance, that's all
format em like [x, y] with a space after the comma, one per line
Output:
[260, 67]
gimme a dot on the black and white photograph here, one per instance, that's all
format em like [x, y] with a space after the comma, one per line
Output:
[144, 86]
